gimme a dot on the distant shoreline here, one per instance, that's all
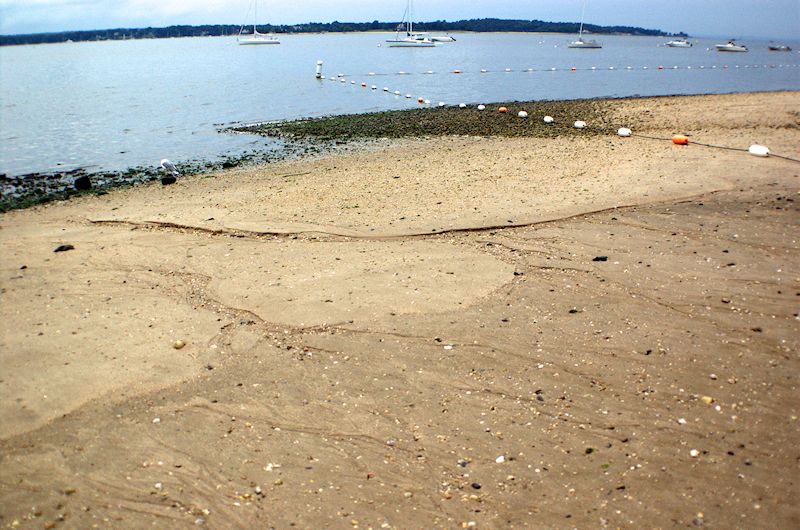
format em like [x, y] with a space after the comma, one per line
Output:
[487, 25]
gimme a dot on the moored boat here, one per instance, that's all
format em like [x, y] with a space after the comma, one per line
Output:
[679, 43]
[580, 42]
[731, 46]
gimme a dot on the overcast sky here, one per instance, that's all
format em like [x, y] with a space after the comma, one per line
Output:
[729, 18]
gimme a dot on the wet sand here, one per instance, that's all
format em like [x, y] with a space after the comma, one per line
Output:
[434, 333]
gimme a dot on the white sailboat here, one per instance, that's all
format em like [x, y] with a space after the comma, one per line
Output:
[410, 39]
[255, 37]
[581, 43]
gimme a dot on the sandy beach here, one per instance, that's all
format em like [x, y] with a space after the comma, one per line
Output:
[448, 332]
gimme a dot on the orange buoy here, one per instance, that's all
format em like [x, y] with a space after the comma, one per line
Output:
[680, 139]
[420, 100]
[456, 71]
[660, 67]
[574, 69]
[502, 110]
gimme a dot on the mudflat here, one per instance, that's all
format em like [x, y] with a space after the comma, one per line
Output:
[476, 332]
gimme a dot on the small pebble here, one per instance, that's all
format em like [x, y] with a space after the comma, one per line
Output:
[156, 420]
[694, 453]
[178, 344]
[708, 400]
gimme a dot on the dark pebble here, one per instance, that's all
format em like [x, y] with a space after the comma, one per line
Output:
[476, 485]
[64, 248]
[83, 183]
[169, 179]
[600, 258]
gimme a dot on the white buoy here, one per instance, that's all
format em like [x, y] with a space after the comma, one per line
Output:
[371, 73]
[508, 69]
[548, 119]
[579, 124]
[427, 102]
[441, 104]
[429, 72]
[352, 82]
[462, 105]
[484, 70]
[319, 70]
[343, 80]
[408, 96]
[386, 89]
[481, 107]
[522, 114]
[624, 132]
[373, 87]
[759, 150]
[396, 92]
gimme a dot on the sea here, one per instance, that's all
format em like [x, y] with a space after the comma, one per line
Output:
[108, 106]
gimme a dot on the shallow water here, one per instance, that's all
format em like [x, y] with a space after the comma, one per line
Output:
[112, 105]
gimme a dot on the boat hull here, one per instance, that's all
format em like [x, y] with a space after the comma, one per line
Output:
[257, 42]
[585, 45]
[410, 44]
[679, 44]
[731, 48]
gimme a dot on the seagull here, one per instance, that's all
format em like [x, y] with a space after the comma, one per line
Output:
[166, 165]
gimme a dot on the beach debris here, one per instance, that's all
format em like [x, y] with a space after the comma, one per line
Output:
[681, 421]
[624, 132]
[548, 119]
[680, 139]
[600, 258]
[759, 150]
[178, 344]
[82, 183]
[500, 459]
[156, 420]
[694, 453]
[579, 124]
[63, 248]
[522, 114]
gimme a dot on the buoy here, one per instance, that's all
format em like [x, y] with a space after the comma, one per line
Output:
[522, 114]
[343, 80]
[386, 89]
[363, 85]
[502, 110]
[321, 77]
[396, 92]
[579, 124]
[420, 100]
[548, 119]
[429, 72]
[483, 70]
[408, 96]
[660, 67]
[427, 102]
[352, 82]
[481, 107]
[624, 132]
[462, 105]
[372, 73]
[441, 104]
[319, 69]
[373, 87]
[759, 150]
[456, 71]
[508, 69]
[574, 69]
[680, 139]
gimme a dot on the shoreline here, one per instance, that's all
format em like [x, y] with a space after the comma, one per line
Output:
[446, 332]
[321, 135]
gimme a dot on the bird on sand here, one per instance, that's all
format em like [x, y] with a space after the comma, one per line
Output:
[166, 165]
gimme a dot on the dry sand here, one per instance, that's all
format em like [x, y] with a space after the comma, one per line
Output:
[368, 333]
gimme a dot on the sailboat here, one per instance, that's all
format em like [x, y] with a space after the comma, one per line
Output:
[410, 39]
[580, 43]
[255, 37]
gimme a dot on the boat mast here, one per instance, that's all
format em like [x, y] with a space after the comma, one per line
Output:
[410, 17]
[583, 13]
[255, 19]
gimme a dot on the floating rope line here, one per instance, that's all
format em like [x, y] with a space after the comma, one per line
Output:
[724, 147]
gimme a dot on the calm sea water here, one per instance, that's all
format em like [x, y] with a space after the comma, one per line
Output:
[112, 105]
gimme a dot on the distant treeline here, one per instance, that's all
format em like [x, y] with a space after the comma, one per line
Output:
[219, 30]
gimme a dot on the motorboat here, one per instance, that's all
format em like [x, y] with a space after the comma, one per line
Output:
[779, 48]
[255, 38]
[731, 46]
[679, 43]
[580, 42]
